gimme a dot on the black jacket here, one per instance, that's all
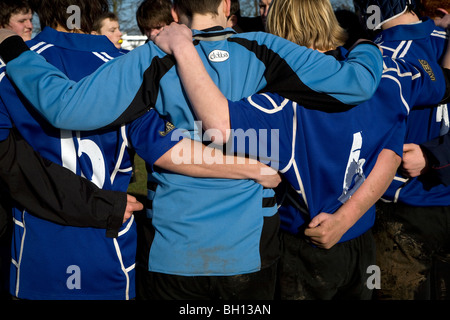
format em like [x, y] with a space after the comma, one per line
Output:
[53, 192]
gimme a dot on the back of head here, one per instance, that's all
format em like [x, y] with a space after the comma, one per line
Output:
[55, 12]
[433, 8]
[153, 13]
[11, 7]
[310, 23]
[382, 11]
[191, 7]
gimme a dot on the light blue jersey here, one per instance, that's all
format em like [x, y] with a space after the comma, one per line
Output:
[205, 226]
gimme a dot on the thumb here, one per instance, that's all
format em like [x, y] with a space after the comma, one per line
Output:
[136, 206]
[408, 147]
[317, 220]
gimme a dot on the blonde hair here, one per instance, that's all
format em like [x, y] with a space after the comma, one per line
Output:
[310, 23]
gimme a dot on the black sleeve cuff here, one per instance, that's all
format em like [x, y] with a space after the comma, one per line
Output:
[117, 206]
[363, 41]
[12, 47]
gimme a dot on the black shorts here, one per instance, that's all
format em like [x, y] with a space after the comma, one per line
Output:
[311, 273]
[159, 286]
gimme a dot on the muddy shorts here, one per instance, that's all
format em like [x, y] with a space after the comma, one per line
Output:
[413, 251]
[253, 286]
[310, 273]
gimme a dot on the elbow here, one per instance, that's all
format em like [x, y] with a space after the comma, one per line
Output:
[218, 136]
[218, 132]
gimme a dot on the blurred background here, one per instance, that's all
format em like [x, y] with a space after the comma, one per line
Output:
[126, 11]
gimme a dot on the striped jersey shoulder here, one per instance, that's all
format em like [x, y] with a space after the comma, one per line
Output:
[2, 70]
[105, 57]
[400, 50]
[41, 47]
[440, 34]
[268, 102]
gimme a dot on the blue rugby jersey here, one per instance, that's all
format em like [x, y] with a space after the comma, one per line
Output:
[189, 214]
[425, 42]
[51, 261]
[266, 61]
[327, 156]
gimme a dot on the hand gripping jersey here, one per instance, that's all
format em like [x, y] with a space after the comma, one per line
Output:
[210, 226]
[327, 156]
[51, 261]
[422, 42]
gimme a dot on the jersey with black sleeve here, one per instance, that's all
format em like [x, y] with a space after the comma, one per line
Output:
[188, 214]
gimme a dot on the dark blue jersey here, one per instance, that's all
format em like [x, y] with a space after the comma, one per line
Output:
[327, 156]
[51, 261]
[418, 42]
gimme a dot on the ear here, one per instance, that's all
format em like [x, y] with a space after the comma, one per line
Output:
[233, 20]
[175, 15]
[226, 7]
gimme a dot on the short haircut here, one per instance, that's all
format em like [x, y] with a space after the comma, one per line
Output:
[98, 23]
[12, 7]
[191, 7]
[153, 13]
[310, 23]
[54, 12]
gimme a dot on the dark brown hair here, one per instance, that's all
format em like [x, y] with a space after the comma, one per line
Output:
[54, 12]
[10, 7]
[152, 13]
[191, 7]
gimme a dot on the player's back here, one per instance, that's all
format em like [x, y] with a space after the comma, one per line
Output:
[58, 262]
[422, 42]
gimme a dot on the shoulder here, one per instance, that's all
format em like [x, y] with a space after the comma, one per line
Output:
[268, 102]
[2, 70]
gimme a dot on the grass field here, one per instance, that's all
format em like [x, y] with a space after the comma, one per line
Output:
[139, 188]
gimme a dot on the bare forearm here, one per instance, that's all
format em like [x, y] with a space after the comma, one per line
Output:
[208, 102]
[372, 189]
[192, 158]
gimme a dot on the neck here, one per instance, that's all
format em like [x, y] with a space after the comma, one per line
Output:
[205, 21]
[201, 22]
[406, 18]
[60, 28]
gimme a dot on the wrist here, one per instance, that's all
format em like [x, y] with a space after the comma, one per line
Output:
[183, 49]
[348, 214]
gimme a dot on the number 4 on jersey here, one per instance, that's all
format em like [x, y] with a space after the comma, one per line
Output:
[354, 171]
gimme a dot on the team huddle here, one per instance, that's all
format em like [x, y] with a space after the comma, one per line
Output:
[328, 157]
